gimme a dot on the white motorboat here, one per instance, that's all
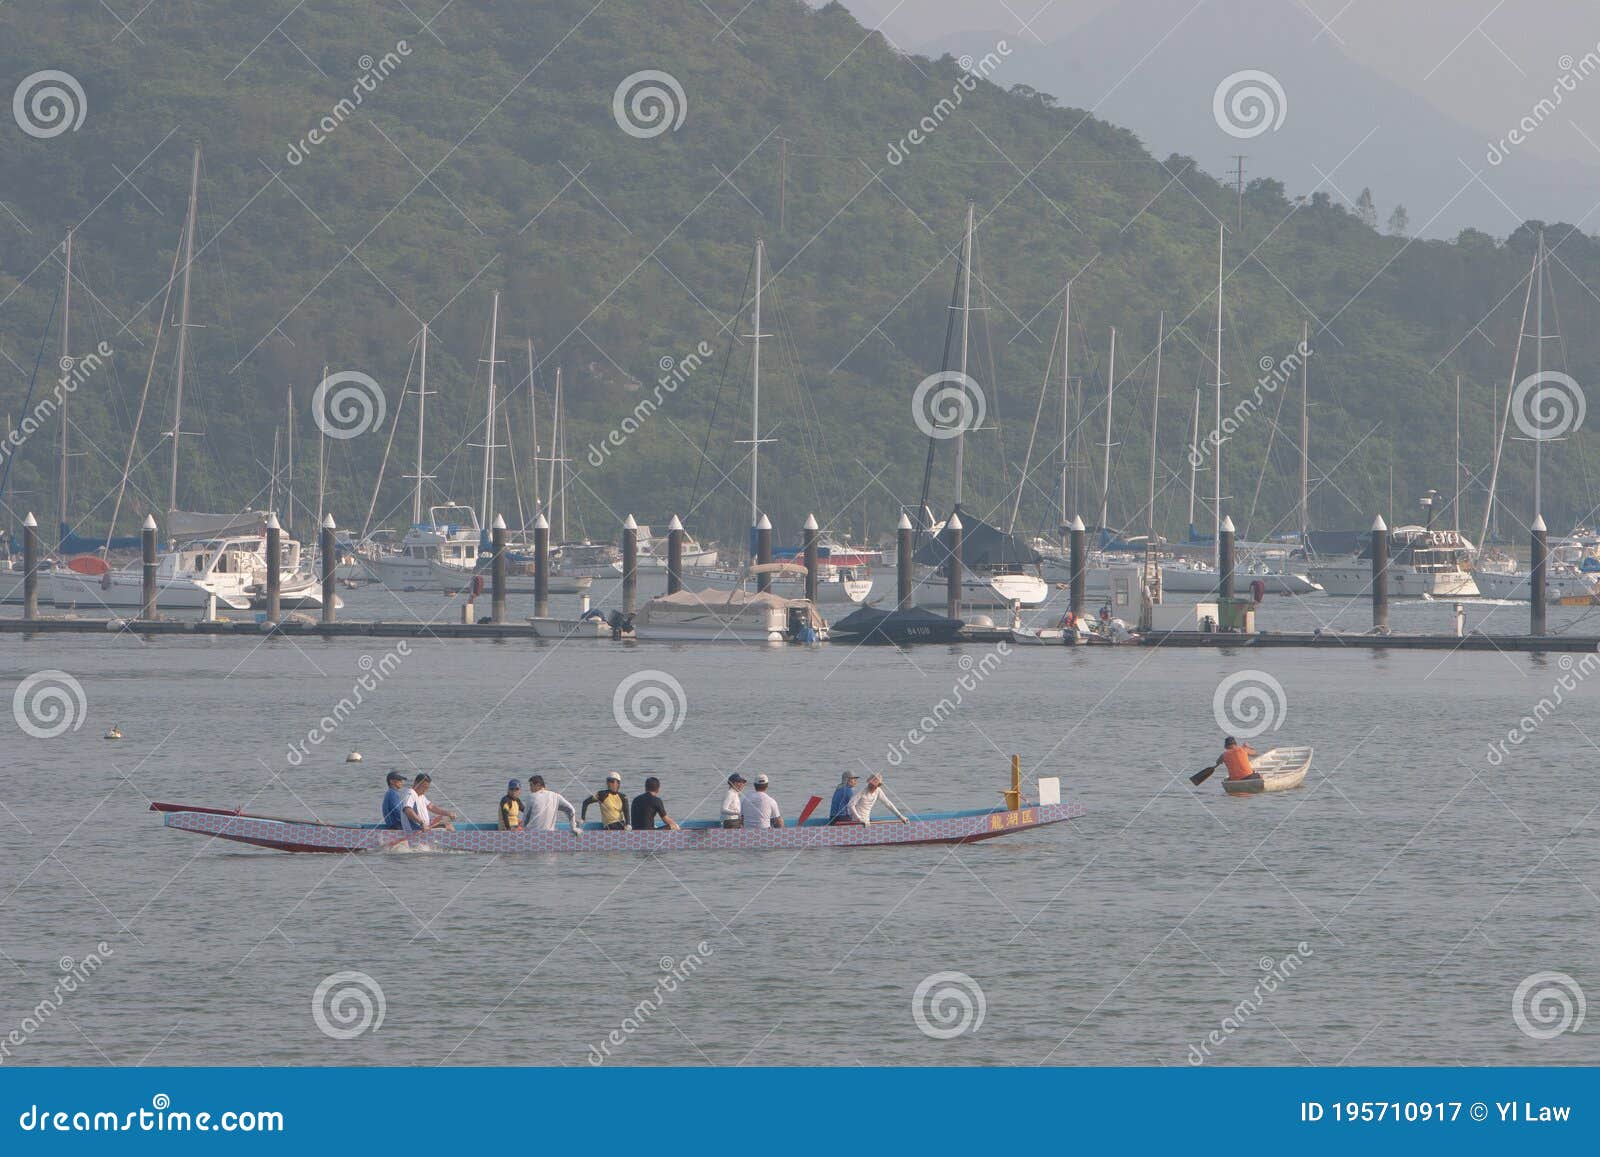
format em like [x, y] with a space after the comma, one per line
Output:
[225, 568]
[836, 586]
[728, 616]
[441, 553]
[1436, 563]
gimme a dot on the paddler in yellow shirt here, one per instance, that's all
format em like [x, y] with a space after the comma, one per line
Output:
[612, 803]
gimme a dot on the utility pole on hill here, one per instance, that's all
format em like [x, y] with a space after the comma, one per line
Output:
[1238, 162]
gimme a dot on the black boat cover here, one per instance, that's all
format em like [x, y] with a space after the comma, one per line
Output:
[982, 545]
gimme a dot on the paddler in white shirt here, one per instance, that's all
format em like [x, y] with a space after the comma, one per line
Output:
[543, 805]
[733, 802]
[862, 802]
[417, 812]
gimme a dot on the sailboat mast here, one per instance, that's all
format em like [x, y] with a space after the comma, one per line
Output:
[422, 415]
[533, 432]
[1456, 502]
[1155, 414]
[1194, 456]
[288, 407]
[65, 368]
[1538, 372]
[1105, 467]
[486, 505]
[966, 314]
[1216, 462]
[555, 432]
[1066, 408]
[561, 452]
[322, 459]
[183, 326]
[1305, 432]
[755, 397]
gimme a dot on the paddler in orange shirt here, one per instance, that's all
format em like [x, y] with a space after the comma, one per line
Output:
[1236, 756]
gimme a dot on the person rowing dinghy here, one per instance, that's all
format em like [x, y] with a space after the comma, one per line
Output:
[1236, 757]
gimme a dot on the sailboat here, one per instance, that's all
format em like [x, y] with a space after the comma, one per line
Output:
[999, 571]
[1500, 577]
[223, 565]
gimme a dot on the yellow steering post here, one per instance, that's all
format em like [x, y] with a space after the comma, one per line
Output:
[1014, 796]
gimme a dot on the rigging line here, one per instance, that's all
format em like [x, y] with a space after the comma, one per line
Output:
[1027, 458]
[921, 518]
[133, 438]
[366, 523]
[1266, 460]
[5, 472]
[722, 381]
[988, 352]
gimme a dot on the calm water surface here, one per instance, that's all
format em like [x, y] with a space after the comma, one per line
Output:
[1423, 882]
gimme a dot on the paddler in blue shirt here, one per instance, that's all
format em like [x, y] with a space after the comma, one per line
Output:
[393, 799]
[839, 807]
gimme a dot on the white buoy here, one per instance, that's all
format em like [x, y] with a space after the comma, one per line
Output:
[353, 757]
[113, 733]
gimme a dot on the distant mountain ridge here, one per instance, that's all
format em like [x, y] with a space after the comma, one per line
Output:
[1346, 127]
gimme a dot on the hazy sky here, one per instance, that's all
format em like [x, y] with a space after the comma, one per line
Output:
[1483, 62]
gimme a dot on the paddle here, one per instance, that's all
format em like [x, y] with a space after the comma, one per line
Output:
[1204, 774]
[811, 806]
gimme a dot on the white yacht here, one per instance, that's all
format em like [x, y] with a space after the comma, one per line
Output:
[1435, 563]
[1500, 577]
[441, 551]
[227, 568]
[836, 585]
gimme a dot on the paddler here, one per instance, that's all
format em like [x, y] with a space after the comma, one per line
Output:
[612, 803]
[418, 813]
[543, 807]
[861, 804]
[839, 806]
[1236, 757]
[760, 810]
[511, 807]
[648, 806]
[733, 802]
[393, 800]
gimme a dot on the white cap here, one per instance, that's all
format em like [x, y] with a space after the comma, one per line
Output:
[905, 521]
[541, 523]
[1227, 524]
[811, 522]
[499, 522]
[675, 524]
[954, 522]
[761, 780]
[30, 520]
[1538, 524]
[763, 523]
[149, 521]
[629, 523]
[1077, 523]
[272, 522]
[1379, 524]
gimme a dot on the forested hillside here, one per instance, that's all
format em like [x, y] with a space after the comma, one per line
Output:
[486, 154]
